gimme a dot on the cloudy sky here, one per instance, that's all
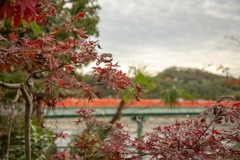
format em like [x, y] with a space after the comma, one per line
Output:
[163, 33]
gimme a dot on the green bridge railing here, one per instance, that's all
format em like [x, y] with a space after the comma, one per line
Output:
[133, 112]
[128, 111]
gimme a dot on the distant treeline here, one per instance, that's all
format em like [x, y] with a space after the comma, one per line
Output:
[198, 83]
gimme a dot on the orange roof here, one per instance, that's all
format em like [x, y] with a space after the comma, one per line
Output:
[110, 102]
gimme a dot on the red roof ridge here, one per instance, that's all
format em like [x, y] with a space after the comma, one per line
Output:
[111, 102]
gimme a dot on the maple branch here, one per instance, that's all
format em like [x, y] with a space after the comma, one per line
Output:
[57, 86]
[119, 112]
[67, 61]
[27, 96]
[98, 84]
[63, 64]
[34, 73]
[10, 85]
[60, 66]
[216, 116]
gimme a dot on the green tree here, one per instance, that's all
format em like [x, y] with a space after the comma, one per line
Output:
[67, 9]
[172, 94]
[71, 8]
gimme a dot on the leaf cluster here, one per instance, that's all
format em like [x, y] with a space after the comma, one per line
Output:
[34, 29]
[200, 138]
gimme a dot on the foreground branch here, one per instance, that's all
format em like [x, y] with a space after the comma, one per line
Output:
[119, 112]
[28, 99]
[11, 86]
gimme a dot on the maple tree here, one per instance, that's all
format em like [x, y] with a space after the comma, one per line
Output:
[202, 138]
[53, 59]
[56, 59]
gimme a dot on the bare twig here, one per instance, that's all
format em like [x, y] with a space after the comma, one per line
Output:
[208, 126]
[34, 73]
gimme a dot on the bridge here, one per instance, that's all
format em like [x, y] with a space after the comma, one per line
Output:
[144, 107]
[152, 112]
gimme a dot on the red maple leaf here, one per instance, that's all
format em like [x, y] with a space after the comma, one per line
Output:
[80, 15]
[61, 83]
[8, 10]
[214, 131]
[30, 4]
[69, 68]
[22, 9]
[97, 93]
[13, 36]
[4, 66]
[17, 19]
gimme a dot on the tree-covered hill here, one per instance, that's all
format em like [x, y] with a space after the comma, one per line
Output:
[198, 83]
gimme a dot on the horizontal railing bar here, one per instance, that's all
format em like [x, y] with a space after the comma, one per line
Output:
[102, 112]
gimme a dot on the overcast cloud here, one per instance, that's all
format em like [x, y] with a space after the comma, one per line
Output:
[163, 33]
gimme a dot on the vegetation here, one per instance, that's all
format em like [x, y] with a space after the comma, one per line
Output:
[191, 84]
[172, 94]
[41, 139]
[51, 62]
[199, 138]
[197, 83]
[89, 22]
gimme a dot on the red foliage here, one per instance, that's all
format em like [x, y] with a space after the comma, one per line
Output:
[114, 79]
[28, 10]
[61, 135]
[56, 59]
[61, 155]
[13, 37]
[201, 138]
